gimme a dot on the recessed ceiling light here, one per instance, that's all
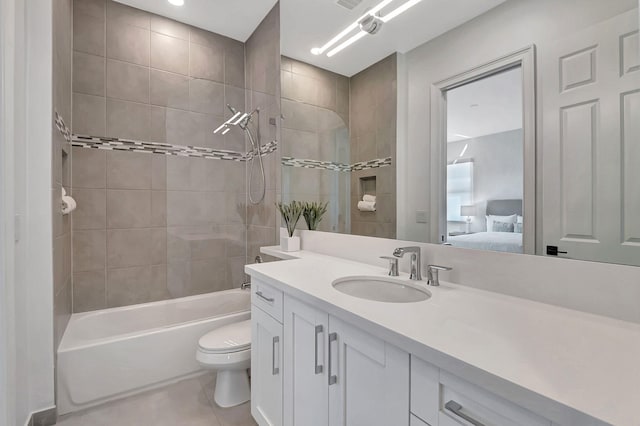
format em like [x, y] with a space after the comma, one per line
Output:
[176, 2]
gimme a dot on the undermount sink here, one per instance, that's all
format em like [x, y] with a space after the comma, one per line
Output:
[381, 289]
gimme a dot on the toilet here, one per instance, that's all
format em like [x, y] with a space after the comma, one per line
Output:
[228, 351]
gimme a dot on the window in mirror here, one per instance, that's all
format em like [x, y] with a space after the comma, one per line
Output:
[485, 163]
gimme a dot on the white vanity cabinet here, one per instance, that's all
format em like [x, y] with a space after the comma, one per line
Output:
[266, 355]
[336, 374]
[310, 368]
[306, 396]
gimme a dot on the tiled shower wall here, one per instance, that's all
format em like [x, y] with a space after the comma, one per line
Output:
[262, 51]
[373, 135]
[61, 166]
[151, 227]
[315, 106]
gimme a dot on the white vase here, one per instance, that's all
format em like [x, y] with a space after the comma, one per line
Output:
[290, 243]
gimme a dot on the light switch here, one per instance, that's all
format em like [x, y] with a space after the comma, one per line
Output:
[421, 216]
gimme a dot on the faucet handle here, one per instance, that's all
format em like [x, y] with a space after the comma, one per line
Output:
[393, 265]
[432, 274]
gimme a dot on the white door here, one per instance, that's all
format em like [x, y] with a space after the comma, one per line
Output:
[368, 379]
[266, 368]
[306, 390]
[591, 142]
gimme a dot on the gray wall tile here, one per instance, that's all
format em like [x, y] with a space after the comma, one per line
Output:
[127, 81]
[95, 8]
[91, 212]
[89, 115]
[128, 170]
[169, 89]
[128, 119]
[128, 247]
[89, 34]
[169, 27]
[88, 74]
[128, 208]
[123, 14]
[206, 97]
[89, 249]
[127, 43]
[169, 53]
[89, 290]
[206, 62]
[89, 168]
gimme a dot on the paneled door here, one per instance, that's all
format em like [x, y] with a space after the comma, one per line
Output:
[590, 94]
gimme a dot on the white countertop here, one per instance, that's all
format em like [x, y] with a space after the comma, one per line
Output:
[584, 362]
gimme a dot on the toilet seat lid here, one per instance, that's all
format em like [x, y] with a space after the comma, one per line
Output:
[229, 338]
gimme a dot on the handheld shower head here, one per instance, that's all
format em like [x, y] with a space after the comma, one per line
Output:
[232, 109]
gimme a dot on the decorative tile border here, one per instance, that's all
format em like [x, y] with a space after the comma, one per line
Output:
[314, 164]
[339, 167]
[371, 164]
[119, 144]
[62, 127]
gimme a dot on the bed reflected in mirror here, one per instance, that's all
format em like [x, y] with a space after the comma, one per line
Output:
[485, 163]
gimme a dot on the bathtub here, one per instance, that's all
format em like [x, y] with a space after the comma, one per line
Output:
[112, 353]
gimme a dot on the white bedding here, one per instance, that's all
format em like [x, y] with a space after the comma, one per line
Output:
[496, 241]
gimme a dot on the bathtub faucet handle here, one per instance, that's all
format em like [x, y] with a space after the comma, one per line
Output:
[245, 285]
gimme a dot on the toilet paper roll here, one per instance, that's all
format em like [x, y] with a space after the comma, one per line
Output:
[366, 206]
[68, 204]
[369, 198]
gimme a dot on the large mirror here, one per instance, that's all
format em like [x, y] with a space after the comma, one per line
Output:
[486, 124]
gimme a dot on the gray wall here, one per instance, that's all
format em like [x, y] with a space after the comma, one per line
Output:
[507, 28]
[316, 127]
[152, 227]
[61, 166]
[373, 135]
[262, 51]
[497, 171]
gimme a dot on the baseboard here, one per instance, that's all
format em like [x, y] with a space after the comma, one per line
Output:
[46, 417]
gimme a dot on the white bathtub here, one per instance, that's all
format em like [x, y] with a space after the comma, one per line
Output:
[111, 353]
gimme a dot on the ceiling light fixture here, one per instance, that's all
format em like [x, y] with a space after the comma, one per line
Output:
[176, 2]
[366, 26]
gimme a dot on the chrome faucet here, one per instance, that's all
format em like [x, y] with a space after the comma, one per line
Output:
[432, 274]
[416, 267]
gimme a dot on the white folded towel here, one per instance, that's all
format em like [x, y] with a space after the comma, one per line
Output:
[366, 206]
[369, 198]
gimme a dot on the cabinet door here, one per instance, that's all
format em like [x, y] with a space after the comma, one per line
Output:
[368, 379]
[305, 371]
[266, 368]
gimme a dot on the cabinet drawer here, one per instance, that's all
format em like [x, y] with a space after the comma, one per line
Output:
[461, 401]
[425, 390]
[267, 298]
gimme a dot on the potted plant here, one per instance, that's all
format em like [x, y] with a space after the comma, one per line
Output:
[291, 215]
[313, 213]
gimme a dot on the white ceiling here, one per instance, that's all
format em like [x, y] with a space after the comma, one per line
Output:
[232, 18]
[485, 107]
[311, 23]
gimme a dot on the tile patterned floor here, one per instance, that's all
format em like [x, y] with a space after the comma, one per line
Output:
[186, 403]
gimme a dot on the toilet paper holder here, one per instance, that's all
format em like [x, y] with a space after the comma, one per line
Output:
[68, 204]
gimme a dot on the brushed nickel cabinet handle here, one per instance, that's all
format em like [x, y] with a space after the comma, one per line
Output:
[265, 298]
[333, 378]
[318, 367]
[456, 409]
[276, 369]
